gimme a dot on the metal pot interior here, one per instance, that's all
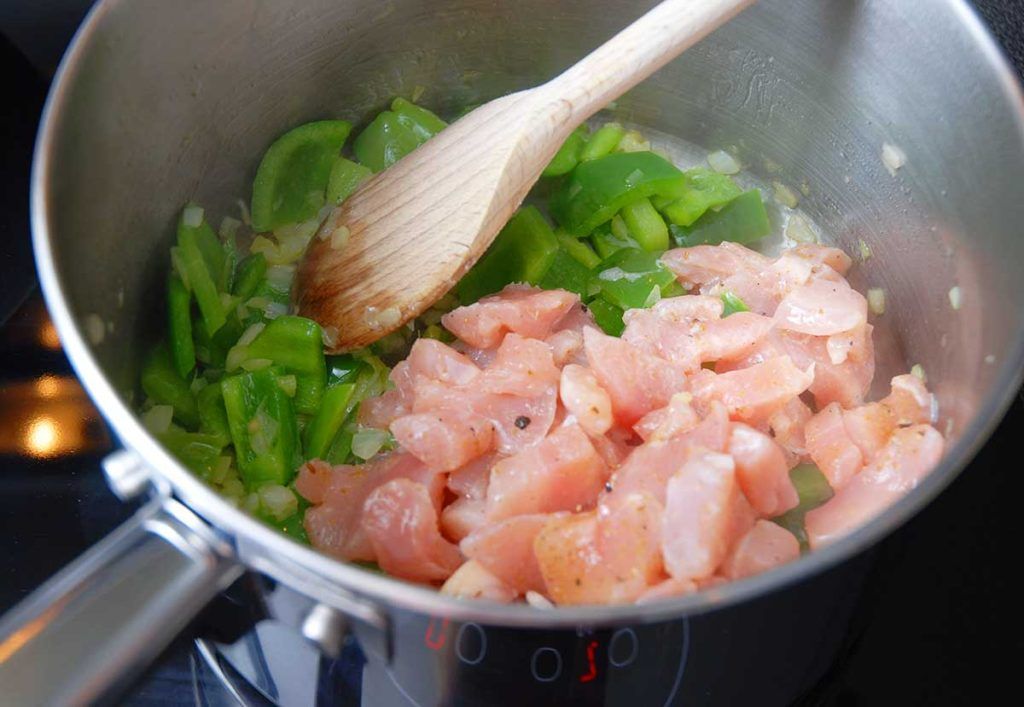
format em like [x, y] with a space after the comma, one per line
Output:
[162, 103]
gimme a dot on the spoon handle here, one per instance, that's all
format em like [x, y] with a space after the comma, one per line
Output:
[635, 53]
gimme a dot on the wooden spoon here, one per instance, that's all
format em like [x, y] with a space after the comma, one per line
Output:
[402, 240]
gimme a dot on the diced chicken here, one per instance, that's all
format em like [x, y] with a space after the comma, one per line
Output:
[522, 367]
[670, 421]
[906, 459]
[831, 448]
[505, 549]
[636, 382]
[444, 439]
[462, 517]
[337, 494]
[472, 581]
[585, 399]
[753, 394]
[767, 545]
[762, 471]
[822, 308]
[697, 525]
[401, 523]
[521, 309]
[561, 473]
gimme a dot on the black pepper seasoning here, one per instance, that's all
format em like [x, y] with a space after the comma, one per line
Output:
[522, 422]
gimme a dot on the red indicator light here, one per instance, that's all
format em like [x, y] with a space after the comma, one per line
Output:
[592, 673]
[436, 636]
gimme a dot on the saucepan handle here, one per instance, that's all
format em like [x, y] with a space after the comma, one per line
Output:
[83, 636]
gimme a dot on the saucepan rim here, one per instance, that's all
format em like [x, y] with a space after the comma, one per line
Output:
[386, 591]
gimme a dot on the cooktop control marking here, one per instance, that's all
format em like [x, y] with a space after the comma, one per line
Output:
[436, 635]
[465, 649]
[623, 637]
[591, 665]
[550, 671]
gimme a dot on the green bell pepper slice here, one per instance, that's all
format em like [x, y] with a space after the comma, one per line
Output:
[346, 176]
[194, 255]
[813, 490]
[161, 382]
[578, 249]
[732, 304]
[179, 320]
[263, 427]
[251, 273]
[605, 242]
[631, 279]
[607, 316]
[568, 155]
[333, 411]
[604, 141]
[343, 368]
[597, 190]
[213, 417]
[199, 452]
[566, 273]
[295, 344]
[522, 252]
[423, 121]
[646, 225]
[742, 220]
[291, 181]
[395, 133]
[705, 189]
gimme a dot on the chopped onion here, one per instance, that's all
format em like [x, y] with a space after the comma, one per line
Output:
[893, 158]
[876, 300]
[158, 419]
[367, 441]
[94, 329]
[538, 600]
[256, 364]
[280, 276]
[273, 310]
[192, 216]
[288, 384]
[955, 297]
[382, 319]
[229, 228]
[339, 237]
[784, 195]
[279, 501]
[990, 359]
[243, 209]
[723, 163]
[262, 431]
[249, 335]
[633, 141]
[800, 230]
[865, 250]
[251, 502]
[329, 335]
[918, 370]
[237, 355]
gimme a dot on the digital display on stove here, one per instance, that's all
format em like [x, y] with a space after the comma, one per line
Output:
[438, 661]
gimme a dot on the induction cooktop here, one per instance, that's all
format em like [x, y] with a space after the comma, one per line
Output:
[933, 623]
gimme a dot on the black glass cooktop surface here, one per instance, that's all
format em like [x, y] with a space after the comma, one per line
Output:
[938, 621]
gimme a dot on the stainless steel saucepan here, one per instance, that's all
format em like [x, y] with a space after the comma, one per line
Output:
[159, 103]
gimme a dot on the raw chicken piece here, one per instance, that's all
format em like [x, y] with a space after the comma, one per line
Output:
[767, 545]
[755, 393]
[831, 448]
[762, 471]
[444, 439]
[401, 523]
[562, 473]
[697, 526]
[585, 399]
[906, 459]
[472, 581]
[505, 549]
[636, 382]
[522, 309]
[337, 494]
